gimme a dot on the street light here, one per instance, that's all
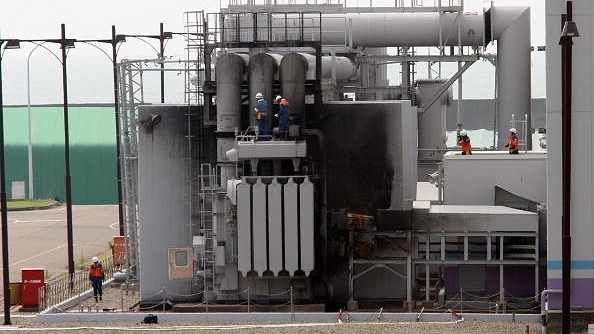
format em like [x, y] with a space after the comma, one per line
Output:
[568, 32]
[10, 44]
[64, 44]
[29, 132]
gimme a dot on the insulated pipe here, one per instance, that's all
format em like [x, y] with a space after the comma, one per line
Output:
[337, 67]
[402, 29]
[511, 28]
[262, 70]
[229, 73]
[342, 68]
[293, 70]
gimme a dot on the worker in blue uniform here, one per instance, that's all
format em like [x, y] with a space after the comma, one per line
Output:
[261, 115]
[283, 115]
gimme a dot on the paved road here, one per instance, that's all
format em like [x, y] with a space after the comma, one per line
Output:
[38, 239]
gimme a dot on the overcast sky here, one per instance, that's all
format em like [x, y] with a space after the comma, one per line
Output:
[41, 19]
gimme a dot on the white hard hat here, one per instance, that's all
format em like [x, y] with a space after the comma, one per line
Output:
[95, 259]
[278, 98]
[512, 130]
[259, 96]
[463, 133]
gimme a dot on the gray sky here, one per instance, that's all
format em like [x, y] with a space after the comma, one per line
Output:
[41, 19]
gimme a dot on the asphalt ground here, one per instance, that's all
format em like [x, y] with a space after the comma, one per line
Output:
[38, 238]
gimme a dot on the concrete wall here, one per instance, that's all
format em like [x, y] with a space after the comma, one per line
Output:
[163, 201]
[471, 179]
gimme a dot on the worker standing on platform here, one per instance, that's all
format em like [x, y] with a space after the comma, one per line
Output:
[96, 276]
[283, 117]
[261, 115]
[512, 142]
[464, 142]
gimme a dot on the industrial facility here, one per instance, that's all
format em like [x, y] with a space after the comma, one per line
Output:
[360, 203]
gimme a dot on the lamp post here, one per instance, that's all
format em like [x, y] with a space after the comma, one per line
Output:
[64, 44]
[569, 31]
[29, 132]
[10, 44]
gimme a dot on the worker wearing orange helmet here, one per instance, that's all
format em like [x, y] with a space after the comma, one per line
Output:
[464, 142]
[512, 142]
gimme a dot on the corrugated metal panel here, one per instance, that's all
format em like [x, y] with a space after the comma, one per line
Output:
[259, 227]
[92, 152]
[275, 227]
[244, 229]
[291, 232]
[306, 210]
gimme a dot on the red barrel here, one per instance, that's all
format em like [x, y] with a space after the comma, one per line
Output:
[31, 280]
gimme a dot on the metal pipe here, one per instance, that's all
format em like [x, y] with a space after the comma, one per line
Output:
[511, 27]
[229, 73]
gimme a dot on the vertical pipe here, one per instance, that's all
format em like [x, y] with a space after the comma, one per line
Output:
[116, 97]
[293, 70]
[262, 69]
[512, 30]
[67, 161]
[229, 73]
[5, 266]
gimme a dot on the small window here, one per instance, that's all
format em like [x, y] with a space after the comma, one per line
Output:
[181, 258]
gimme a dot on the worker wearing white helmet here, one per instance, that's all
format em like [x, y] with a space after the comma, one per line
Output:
[261, 115]
[513, 142]
[97, 276]
[464, 142]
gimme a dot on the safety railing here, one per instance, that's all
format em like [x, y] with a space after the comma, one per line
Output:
[59, 289]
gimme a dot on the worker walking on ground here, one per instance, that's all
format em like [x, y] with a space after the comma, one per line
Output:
[464, 142]
[512, 142]
[96, 276]
[261, 115]
[283, 115]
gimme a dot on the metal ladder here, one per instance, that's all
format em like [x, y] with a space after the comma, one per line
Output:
[208, 186]
[195, 37]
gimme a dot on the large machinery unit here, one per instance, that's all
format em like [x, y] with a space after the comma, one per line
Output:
[331, 212]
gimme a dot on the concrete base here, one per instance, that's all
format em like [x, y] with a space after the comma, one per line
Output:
[352, 305]
[409, 306]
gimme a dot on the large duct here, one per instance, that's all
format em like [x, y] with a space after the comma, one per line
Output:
[262, 71]
[229, 73]
[293, 70]
[511, 28]
[432, 126]
[403, 29]
[509, 25]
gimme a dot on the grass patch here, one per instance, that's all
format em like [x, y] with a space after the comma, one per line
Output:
[29, 203]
